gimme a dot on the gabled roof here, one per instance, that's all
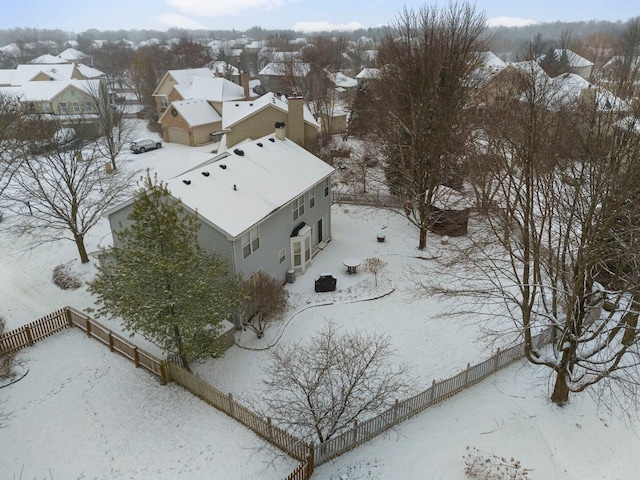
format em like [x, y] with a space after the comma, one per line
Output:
[573, 58]
[187, 75]
[47, 59]
[265, 178]
[25, 73]
[71, 54]
[277, 69]
[46, 91]
[368, 73]
[89, 72]
[195, 112]
[221, 67]
[341, 80]
[213, 89]
[235, 112]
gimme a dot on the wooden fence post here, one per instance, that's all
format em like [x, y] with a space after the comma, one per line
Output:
[27, 331]
[433, 391]
[311, 459]
[88, 323]
[232, 410]
[110, 341]
[466, 374]
[165, 372]
[495, 363]
[355, 432]
[270, 428]
[395, 412]
[67, 312]
[136, 357]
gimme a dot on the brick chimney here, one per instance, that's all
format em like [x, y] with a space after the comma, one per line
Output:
[295, 119]
[280, 130]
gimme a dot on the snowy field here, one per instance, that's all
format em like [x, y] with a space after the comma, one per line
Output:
[83, 412]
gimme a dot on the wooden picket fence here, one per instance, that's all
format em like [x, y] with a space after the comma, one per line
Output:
[263, 427]
[310, 456]
[439, 391]
[68, 317]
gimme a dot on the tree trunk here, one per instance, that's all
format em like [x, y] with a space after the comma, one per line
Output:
[560, 395]
[422, 244]
[82, 250]
[178, 339]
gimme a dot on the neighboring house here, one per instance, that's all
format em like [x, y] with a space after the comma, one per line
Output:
[575, 63]
[39, 73]
[70, 102]
[190, 122]
[47, 59]
[72, 55]
[284, 76]
[263, 206]
[344, 86]
[367, 75]
[190, 102]
[254, 119]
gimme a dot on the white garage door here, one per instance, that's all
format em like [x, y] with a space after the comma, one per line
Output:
[178, 135]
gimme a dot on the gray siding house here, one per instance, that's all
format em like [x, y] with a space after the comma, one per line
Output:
[264, 205]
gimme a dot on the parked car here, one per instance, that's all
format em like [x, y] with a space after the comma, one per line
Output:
[142, 145]
[64, 136]
[62, 139]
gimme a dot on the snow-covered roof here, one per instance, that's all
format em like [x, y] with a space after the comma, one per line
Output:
[89, 72]
[234, 112]
[277, 69]
[71, 54]
[27, 72]
[368, 73]
[48, 59]
[618, 59]
[195, 112]
[187, 75]
[573, 58]
[491, 61]
[268, 175]
[221, 67]
[12, 50]
[570, 87]
[341, 80]
[629, 123]
[45, 91]
[214, 89]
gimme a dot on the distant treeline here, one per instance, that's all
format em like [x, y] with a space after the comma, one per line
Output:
[507, 41]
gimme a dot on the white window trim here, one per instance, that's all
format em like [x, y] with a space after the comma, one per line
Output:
[282, 255]
[298, 207]
[326, 187]
[250, 242]
[64, 108]
[312, 198]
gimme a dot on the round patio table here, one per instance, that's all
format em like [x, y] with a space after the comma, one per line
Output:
[352, 264]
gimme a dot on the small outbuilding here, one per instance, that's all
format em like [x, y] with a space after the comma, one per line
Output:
[449, 212]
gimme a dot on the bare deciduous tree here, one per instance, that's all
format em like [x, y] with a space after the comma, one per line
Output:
[427, 58]
[563, 241]
[265, 300]
[63, 194]
[374, 266]
[320, 389]
[114, 130]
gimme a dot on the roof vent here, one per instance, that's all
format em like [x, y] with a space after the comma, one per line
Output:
[223, 166]
[237, 104]
[239, 152]
[206, 174]
[259, 144]
[234, 187]
[251, 104]
[272, 139]
[186, 182]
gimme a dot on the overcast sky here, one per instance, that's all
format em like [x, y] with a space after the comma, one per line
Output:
[305, 15]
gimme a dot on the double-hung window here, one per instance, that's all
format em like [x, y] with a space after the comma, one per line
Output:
[76, 107]
[326, 187]
[250, 242]
[312, 198]
[298, 207]
[64, 108]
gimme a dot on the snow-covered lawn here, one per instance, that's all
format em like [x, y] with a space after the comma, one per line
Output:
[84, 412]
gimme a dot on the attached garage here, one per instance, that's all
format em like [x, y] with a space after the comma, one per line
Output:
[178, 135]
[190, 122]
